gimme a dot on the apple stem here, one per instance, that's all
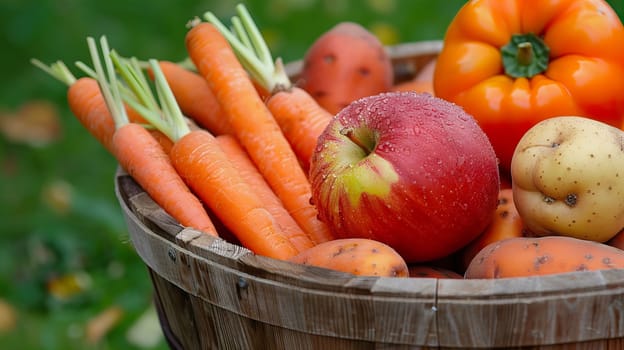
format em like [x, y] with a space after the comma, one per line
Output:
[349, 133]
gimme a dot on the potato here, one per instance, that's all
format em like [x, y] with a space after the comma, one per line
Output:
[359, 256]
[506, 223]
[344, 64]
[537, 256]
[568, 178]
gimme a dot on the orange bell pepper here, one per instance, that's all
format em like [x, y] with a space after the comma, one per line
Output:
[513, 63]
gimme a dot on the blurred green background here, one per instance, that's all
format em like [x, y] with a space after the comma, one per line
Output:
[70, 277]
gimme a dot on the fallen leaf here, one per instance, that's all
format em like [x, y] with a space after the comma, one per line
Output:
[58, 196]
[101, 324]
[35, 123]
[8, 317]
[67, 286]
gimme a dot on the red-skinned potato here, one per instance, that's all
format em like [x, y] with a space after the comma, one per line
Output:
[345, 63]
[506, 223]
[538, 256]
[359, 256]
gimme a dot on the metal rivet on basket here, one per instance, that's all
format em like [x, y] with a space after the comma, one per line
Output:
[172, 254]
[241, 285]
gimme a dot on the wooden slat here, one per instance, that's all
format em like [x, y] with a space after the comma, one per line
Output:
[568, 308]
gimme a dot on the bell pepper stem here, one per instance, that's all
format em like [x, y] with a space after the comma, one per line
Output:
[525, 53]
[525, 56]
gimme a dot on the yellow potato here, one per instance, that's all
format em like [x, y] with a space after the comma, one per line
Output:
[568, 178]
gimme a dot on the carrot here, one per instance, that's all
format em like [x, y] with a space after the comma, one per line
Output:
[254, 126]
[86, 91]
[206, 169]
[298, 114]
[195, 98]
[301, 119]
[248, 171]
[202, 163]
[136, 150]
[87, 104]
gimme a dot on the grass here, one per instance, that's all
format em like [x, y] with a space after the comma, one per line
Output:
[64, 250]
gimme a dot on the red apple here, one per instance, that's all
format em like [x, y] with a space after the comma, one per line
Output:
[408, 169]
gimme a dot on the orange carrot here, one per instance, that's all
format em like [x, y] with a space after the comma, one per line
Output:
[254, 126]
[199, 159]
[300, 117]
[206, 169]
[87, 104]
[195, 98]
[140, 154]
[248, 171]
[86, 91]
[136, 150]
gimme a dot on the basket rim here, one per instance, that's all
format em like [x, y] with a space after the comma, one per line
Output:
[191, 241]
[438, 308]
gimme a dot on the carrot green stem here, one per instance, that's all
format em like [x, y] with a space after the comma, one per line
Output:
[86, 69]
[131, 72]
[107, 79]
[248, 26]
[161, 110]
[168, 103]
[57, 70]
[252, 50]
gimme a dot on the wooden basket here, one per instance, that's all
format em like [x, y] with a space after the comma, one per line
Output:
[212, 294]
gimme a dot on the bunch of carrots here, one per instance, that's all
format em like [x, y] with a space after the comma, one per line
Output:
[238, 162]
[232, 136]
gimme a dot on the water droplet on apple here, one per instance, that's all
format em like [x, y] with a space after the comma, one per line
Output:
[463, 117]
